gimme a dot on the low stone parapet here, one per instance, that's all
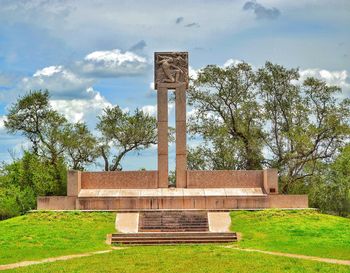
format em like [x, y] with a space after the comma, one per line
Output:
[288, 201]
[56, 203]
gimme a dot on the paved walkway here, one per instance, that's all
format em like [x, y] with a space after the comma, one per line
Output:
[297, 256]
[50, 260]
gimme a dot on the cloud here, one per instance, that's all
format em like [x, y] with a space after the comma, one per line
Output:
[60, 81]
[262, 12]
[112, 63]
[179, 20]
[194, 24]
[338, 78]
[138, 46]
[150, 109]
[79, 110]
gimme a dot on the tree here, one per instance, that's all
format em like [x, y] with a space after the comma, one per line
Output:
[33, 116]
[305, 122]
[24, 179]
[329, 189]
[80, 145]
[125, 132]
[240, 112]
[227, 112]
[52, 136]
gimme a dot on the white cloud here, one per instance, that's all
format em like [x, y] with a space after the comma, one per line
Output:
[2, 125]
[338, 78]
[87, 110]
[112, 63]
[60, 81]
[231, 62]
[150, 109]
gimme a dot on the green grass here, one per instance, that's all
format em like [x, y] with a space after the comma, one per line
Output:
[305, 232]
[49, 234]
[187, 259]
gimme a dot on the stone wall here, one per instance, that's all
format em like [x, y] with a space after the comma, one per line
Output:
[119, 180]
[225, 179]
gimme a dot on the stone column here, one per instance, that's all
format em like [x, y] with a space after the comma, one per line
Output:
[162, 116]
[181, 151]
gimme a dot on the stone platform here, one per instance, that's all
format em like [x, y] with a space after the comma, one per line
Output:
[172, 198]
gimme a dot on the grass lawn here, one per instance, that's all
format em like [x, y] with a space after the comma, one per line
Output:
[305, 232]
[49, 234]
[179, 259]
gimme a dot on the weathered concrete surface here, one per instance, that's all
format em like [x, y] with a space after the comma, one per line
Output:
[119, 180]
[127, 222]
[56, 203]
[270, 178]
[73, 182]
[219, 221]
[288, 201]
[171, 192]
[225, 179]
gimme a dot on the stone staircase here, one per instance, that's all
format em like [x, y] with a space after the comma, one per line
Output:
[172, 227]
[173, 221]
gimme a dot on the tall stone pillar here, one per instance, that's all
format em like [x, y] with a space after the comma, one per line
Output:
[181, 151]
[171, 72]
[162, 116]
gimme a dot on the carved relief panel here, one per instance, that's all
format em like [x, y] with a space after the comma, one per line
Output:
[170, 68]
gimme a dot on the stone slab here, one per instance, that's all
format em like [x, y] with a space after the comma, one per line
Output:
[163, 138]
[119, 180]
[181, 171]
[163, 171]
[181, 138]
[127, 222]
[225, 179]
[219, 221]
[288, 201]
[162, 104]
[73, 182]
[56, 203]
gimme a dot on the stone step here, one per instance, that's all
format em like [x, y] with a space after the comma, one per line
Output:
[181, 221]
[173, 238]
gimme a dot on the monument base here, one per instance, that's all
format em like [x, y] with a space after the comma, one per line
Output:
[176, 199]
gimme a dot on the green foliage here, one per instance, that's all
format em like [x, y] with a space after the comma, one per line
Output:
[24, 179]
[308, 124]
[80, 145]
[329, 189]
[127, 132]
[241, 112]
[52, 136]
[227, 110]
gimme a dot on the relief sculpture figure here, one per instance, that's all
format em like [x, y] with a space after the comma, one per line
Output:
[171, 68]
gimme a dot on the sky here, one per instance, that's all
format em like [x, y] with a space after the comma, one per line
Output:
[94, 54]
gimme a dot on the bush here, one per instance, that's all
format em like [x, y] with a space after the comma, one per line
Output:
[25, 179]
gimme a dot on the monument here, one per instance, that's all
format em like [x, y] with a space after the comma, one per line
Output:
[171, 72]
[195, 189]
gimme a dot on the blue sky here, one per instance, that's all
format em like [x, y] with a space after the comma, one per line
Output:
[93, 54]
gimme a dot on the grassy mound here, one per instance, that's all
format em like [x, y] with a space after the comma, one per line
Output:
[305, 232]
[49, 234]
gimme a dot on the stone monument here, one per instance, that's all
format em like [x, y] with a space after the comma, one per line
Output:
[171, 73]
[195, 189]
